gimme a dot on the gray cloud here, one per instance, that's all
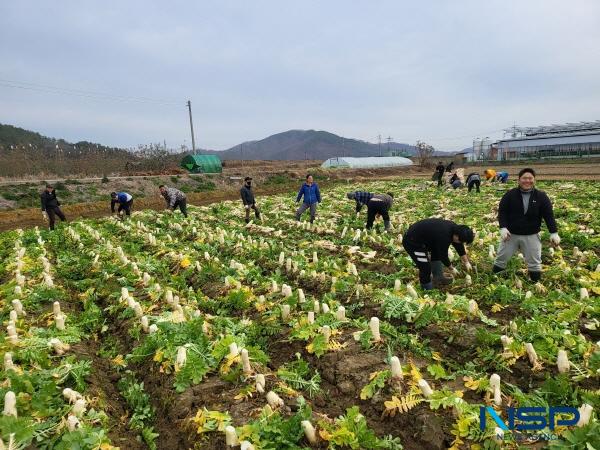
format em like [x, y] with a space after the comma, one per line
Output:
[440, 71]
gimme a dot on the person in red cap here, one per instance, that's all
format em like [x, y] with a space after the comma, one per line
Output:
[248, 199]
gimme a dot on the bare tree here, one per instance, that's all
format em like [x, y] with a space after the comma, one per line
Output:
[424, 153]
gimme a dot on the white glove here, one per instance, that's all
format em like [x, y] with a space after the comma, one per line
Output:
[555, 238]
[504, 234]
[468, 266]
[45, 216]
[247, 206]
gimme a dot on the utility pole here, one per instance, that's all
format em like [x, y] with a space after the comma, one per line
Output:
[343, 147]
[242, 154]
[379, 138]
[389, 140]
[189, 105]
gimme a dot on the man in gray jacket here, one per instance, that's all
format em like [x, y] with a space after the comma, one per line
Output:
[174, 198]
[248, 199]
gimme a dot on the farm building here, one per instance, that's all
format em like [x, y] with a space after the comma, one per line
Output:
[571, 140]
[202, 164]
[366, 163]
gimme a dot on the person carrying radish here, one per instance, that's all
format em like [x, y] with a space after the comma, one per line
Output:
[248, 199]
[427, 242]
[520, 215]
[174, 198]
[124, 200]
[312, 196]
[51, 207]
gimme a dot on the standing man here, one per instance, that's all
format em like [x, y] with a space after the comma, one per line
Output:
[520, 215]
[174, 198]
[50, 207]
[502, 177]
[248, 199]
[427, 243]
[124, 200]
[439, 171]
[312, 196]
[473, 181]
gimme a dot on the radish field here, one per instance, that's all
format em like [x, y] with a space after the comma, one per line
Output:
[162, 332]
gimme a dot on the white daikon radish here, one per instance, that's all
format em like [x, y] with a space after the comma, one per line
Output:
[246, 362]
[301, 297]
[56, 309]
[473, 307]
[468, 280]
[146, 279]
[315, 258]
[396, 368]
[316, 306]
[310, 317]
[513, 326]
[72, 423]
[79, 407]
[60, 322]
[145, 325]
[285, 312]
[181, 358]
[325, 308]
[274, 286]
[584, 294]
[71, 395]
[288, 265]
[8, 362]
[58, 346]
[494, 381]
[531, 354]
[374, 327]
[137, 309]
[309, 431]
[411, 291]
[497, 396]
[169, 296]
[18, 290]
[11, 332]
[274, 400]
[326, 332]
[425, 388]
[562, 361]
[13, 316]
[281, 258]
[286, 290]
[585, 413]
[344, 231]
[341, 313]
[10, 404]
[260, 383]
[528, 294]
[231, 439]
[152, 328]
[397, 285]
[506, 341]
[245, 445]
[18, 307]
[233, 349]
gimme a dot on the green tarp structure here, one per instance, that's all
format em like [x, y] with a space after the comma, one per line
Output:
[202, 164]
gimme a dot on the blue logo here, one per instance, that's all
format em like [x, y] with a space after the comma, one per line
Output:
[529, 418]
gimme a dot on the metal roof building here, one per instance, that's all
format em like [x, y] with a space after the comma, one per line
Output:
[570, 140]
[370, 162]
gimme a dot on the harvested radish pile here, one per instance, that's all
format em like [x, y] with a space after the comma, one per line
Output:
[172, 333]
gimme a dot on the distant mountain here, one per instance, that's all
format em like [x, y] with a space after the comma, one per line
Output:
[309, 144]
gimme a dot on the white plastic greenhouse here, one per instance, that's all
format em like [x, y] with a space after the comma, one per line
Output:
[367, 162]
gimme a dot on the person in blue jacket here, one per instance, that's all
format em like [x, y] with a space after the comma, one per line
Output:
[502, 177]
[124, 200]
[312, 196]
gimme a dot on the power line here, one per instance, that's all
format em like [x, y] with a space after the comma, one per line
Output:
[85, 93]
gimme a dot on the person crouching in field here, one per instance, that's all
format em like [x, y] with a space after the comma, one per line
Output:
[248, 199]
[50, 207]
[124, 200]
[312, 196]
[520, 215]
[502, 177]
[377, 205]
[473, 181]
[174, 198]
[427, 242]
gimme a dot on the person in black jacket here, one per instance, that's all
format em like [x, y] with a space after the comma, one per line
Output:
[520, 216]
[380, 205]
[427, 243]
[439, 173]
[50, 207]
[248, 199]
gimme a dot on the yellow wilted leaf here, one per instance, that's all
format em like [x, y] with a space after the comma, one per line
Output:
[415, 373]
[158, 356]
[401, 405]
[185, 262]
[471, 384]
[119, 361]
[229, 361]
[436, 356]
[497, 307]
[335, 345]
[596, 290]
[325, 435]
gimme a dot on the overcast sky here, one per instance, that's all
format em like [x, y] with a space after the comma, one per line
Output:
[440, 71]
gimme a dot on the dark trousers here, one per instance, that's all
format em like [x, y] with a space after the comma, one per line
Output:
[474, 183]
[256, 211]
[421, 259]
[126, 207]
[182, 205]
[375, 207]
[304, 207]
[440, 178]
[52, 213]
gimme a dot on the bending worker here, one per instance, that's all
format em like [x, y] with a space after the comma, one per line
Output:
[520, 215]
[490, 175]
[502, 177]
[427, 243]
[377, 205]
[473, 181]
[174, 198]
[248, 199]
[124, 200]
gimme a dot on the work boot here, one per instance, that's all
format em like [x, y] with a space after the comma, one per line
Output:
[386, 225]
[535, 276]
[427, 286]
[497, 269]
[439, 279]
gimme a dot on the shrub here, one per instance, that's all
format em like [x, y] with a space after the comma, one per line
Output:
[105, 179]
[60, 186]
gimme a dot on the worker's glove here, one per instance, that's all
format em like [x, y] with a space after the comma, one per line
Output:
[45, 216]
[504, 234]
[555, 238]
[468, 266]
